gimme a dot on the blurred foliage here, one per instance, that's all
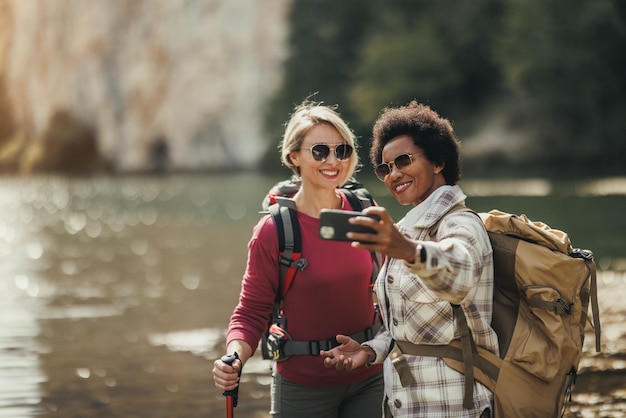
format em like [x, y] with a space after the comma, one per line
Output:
[556, 61]
[324, 43]
[561, 59]
[422, 50]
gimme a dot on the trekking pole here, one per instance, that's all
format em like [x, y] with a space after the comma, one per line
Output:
[231, 395]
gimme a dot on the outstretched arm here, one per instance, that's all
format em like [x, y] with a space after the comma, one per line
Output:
[349, 355]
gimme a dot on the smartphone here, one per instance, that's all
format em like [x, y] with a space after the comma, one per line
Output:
[334, 224]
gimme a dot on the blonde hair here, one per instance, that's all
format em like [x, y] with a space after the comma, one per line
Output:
[306, 116]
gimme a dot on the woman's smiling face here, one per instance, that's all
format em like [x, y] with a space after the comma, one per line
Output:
[415, 182]
[330, 173]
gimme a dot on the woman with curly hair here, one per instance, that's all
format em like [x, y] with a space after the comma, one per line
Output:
[416, 154]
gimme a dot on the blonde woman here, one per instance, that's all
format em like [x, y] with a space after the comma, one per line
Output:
[320, 148]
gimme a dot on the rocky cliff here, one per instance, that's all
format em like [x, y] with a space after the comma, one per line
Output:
[136, 85]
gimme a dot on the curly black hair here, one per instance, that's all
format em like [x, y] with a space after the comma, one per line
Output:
[429, 131]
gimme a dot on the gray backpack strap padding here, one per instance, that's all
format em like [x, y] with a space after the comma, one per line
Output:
[289, 240]
[285, 201]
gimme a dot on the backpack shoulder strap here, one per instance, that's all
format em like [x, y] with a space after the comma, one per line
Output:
[593, 290]
[358, 200]
[358, 196]
[459, 207]
[289, 243]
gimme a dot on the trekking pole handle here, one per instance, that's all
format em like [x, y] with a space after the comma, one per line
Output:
[230, 359]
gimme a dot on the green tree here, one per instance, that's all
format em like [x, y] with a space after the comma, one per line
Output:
[322, 60]
[561, 58]
[559, 62]
[438, 52]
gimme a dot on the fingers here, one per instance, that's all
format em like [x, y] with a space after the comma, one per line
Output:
[224, 384]
[365, 221]
[381, 227]
[335, 358]
[343, 339]
[226, 368]
[226, 377]
[380, 211]
[329, 362]
[340, 363]
[327, 354]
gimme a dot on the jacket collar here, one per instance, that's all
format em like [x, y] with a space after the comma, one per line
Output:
[427, 213]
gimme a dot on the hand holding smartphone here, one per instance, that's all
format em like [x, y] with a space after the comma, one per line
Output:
[334, 224]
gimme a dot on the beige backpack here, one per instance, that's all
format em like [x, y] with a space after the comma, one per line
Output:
[542, 292]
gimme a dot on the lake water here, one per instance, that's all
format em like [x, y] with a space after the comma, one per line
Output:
[115, 291]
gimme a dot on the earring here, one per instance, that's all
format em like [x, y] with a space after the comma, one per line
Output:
[437, 171]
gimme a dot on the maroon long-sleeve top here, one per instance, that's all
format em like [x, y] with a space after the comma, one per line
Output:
[330, 296]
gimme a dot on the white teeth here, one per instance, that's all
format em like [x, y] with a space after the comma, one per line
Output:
[330, 173]
[401, 187]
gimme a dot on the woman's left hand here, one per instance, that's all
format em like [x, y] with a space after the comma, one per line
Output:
[346, 356]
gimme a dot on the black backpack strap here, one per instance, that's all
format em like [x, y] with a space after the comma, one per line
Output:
[289, 243]
[290, 259]
[357, 195]
[357, 200]
[312, 348]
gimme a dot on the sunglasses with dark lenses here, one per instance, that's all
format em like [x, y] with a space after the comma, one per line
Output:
[320, 152]
[382, 170]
